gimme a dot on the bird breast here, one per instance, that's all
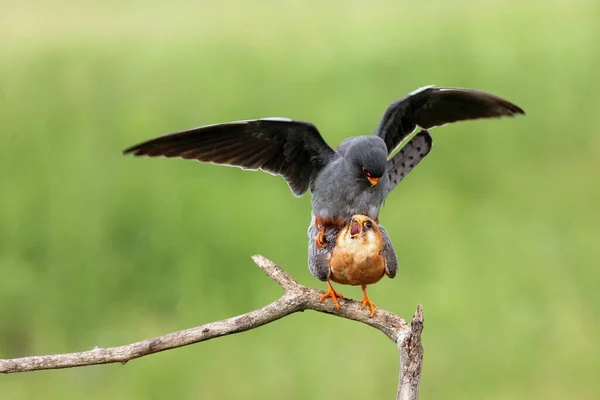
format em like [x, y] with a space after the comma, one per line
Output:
[357, 261]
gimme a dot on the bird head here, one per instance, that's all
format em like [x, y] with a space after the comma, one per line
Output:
[361, 225]
[368, 157]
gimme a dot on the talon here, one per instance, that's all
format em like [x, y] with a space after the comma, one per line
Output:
[333, 294]
[368, 301]
[320, 241]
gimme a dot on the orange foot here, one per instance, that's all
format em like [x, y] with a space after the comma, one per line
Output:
[333, 294]
[368, 301]
[320, 241]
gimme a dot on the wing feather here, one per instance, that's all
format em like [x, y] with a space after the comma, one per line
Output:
[293, 149]
[431, 106]
[408, 157]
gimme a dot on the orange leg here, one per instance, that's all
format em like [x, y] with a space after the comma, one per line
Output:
[321, 224]
[368, 301]
[333, 294]
[320, 241]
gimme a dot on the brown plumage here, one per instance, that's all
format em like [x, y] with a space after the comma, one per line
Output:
[357, 257]
[360, 257]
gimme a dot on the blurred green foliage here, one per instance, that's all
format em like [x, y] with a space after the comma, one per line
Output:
[497, 231]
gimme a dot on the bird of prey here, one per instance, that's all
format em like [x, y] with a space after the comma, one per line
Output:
[360, 254]
[358, 175]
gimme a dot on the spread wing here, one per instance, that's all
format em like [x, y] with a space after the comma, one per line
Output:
[430, 106]
[292, 149]
[408, 157]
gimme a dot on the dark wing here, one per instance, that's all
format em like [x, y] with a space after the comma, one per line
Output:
[318, 257]
[430, 106]
[408, 157]
[391, 260]
[292, 149]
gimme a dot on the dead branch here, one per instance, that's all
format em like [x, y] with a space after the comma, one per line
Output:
[296, 298]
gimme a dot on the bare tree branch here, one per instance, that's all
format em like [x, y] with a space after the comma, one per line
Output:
[410, 349]
[296, 298]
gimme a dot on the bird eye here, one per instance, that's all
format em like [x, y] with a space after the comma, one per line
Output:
[368, 224]
[365, 171]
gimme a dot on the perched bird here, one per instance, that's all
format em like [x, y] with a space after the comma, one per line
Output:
[357, 176]
[353, 179]
[360, 254]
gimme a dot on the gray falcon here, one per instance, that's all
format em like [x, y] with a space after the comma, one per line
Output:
[357, 176]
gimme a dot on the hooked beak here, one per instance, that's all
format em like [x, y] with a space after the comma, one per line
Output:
[372, 181]
[355, 228]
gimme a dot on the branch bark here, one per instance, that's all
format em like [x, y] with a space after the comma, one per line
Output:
[296, 298]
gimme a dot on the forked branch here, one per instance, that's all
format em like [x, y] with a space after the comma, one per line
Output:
[296, 298]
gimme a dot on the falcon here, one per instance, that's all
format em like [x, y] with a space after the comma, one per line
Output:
[361, 254]
[358, 175]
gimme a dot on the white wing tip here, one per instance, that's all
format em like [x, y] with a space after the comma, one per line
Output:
[277, 119]
[421, 89]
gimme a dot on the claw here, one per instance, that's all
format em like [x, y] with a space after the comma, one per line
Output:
[333, 294]
[368, 301]
[320, 241]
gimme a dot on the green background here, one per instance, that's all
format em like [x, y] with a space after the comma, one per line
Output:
[496, 231]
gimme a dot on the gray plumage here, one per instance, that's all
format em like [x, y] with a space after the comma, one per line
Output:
[341, 190]
[341, 180]
[391, 260]
[318, 257]
[296, 150]
[408, 157]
